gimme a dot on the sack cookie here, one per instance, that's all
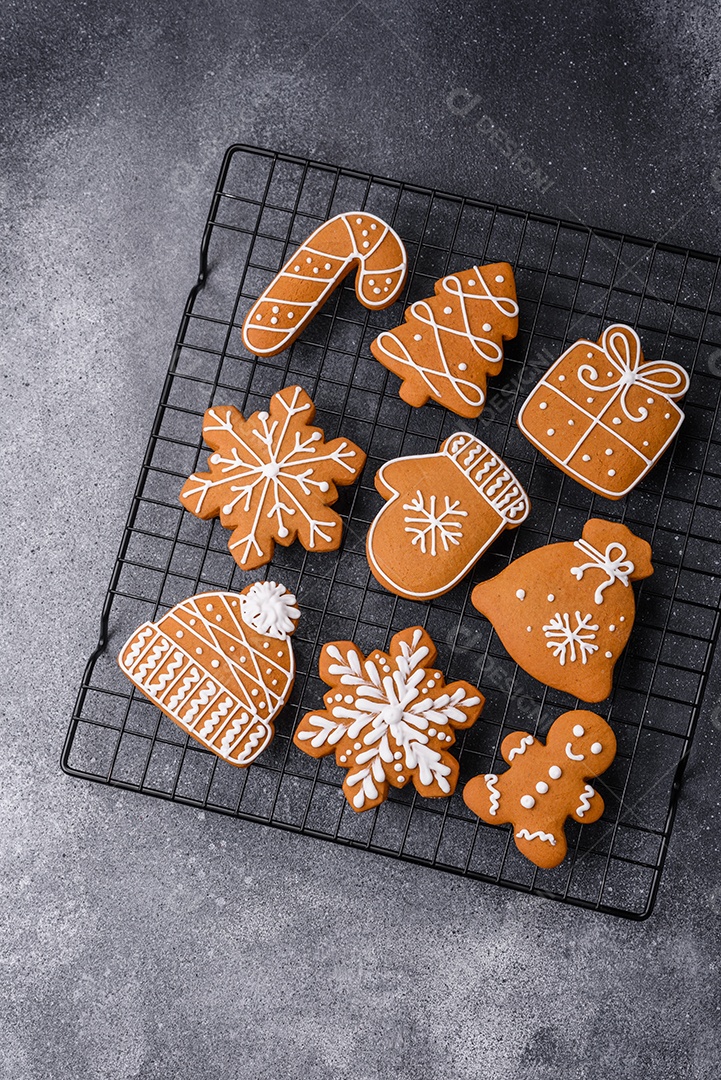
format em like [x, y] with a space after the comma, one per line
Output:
[546, 784]
[272, 478]
[443, 511]
[220, 666]
[390, 718]
[452, 341]
[603, 414]
[565, 611]
[319, 265]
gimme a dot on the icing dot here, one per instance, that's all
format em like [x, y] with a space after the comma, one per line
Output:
[215, 663]
[555, 772]
[243, 659]
[586, 457]
[462, 367]
[315, 270]
[437, 675]
[551, 598]
[543, 405]
[471, 282]
[199, 652]
[528, 802]
[666, 416]
[609, 655]
[296, 268]
[561, 378]
[529, 628]
[338, 697]
[589, 400]
[366, 243]
[617, 420]
[418, 337]
[649, 401]
[612, 627]
[611, 472]
[371, 281]
[500, 278]
[359, 221]
[254, 691]
[447, 310]
[401, 779]
[398, 755]
[327, 266]
[609, 374]
[218, 618]
[596, 748]
[374, 226]
[487, 326]
[356, 746]
[570, 423]
[364, 233]
[398, 766]
[309, 260]
[432, 731]
[622, 618]
[551, 431]
[266, 645]
[376, 290]
[389, 280]
[258, 318]
[541, 787]
[280, 652]
[348, 699]
[215, 459]
[590, 355]
[342, 758]
[275, 309]
[192, 622]
[179, 634]
[521, 594]
[609, 452]
[208, 607]
[291, 314]
[232, 648]
[579, 730]
[645, 443]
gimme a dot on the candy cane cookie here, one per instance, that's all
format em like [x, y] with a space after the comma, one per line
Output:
[296, 294]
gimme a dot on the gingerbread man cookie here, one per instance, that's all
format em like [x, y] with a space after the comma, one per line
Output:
[272, 478]
[603, 414]
[443, 511]
[565, 611]
[319, 265]
[452, 341]
[546, 784]
[390, 718]
[220, 666]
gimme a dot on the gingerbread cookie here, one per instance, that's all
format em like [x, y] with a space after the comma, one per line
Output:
[546, 784]
[443, 511]
[319, 265]
[603, 414]
[220, 665]
[272, 478]
[565, 611]
[452, 341]
[390, 718]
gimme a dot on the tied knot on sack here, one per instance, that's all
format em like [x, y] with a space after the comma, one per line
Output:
[622, 348]
[613, 561]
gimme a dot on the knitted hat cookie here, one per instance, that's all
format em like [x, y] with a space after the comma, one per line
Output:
[603, 414]
[272, 478]
[390, 718]
[452, 341]
[443, 511]
[565, 611]
[319, 265]
[220, 666]
[546, 784]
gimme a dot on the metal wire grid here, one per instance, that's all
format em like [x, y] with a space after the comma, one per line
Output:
[572, 281]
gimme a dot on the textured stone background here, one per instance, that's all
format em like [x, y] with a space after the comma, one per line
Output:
[146, 940]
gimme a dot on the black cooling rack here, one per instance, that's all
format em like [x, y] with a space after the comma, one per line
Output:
[572, 281]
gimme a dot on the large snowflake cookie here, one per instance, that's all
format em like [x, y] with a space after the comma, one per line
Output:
[296, 293]
[390, 718]
[565, 611]
[603, 414]
[220, 666]
[272, 478]
[546, 784]
[443, 511]
[451, 342]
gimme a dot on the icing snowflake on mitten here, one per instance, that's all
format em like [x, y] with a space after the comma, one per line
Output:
[546, 784]
[272, 478]
[390, 718]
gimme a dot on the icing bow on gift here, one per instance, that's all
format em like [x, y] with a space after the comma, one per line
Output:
[618, 568]
[622, 349]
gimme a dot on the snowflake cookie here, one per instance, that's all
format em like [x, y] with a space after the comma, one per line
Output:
[390, 718]
[546, 784]
[220, 666]
[565, 611]
[443, 511]
[272, 478]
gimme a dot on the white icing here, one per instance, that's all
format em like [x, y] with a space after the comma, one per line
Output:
[555, 772]
[521, 594]
[524, 834]
[528, 802]
[585, 804]
[270, 609]
[541, 787]
[527, 740]
[428, 525]
[614, 562]
[596, 748]
[579, 731]
[564, 639]
[570, 754]
[491, 781]
[275, 298]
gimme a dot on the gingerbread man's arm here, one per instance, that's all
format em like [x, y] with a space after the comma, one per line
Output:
[520, 744]
[588, 805]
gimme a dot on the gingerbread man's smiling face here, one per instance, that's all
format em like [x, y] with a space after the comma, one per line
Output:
[582, 741]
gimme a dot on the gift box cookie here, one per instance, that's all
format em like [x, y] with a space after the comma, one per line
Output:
[603, 414]
[220, 666]
[451, 342]
[443, 511]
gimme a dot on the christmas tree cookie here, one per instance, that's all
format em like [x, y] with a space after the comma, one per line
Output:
[450, 343]
[546, 784]
[565, 611]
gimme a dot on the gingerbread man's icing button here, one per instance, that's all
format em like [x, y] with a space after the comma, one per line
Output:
[443, 511]
[578, 607]
[451, 342]
[188, 665]
[561, 791]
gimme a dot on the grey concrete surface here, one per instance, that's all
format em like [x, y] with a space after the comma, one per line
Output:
[145, 940]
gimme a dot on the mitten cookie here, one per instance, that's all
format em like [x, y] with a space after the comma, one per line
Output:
[452, 341]
[306, 281]
[220, 665]
[545, 785]
[603, 414]
[272, 478]
[390, 718]
[565, 611]
[443, 511]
